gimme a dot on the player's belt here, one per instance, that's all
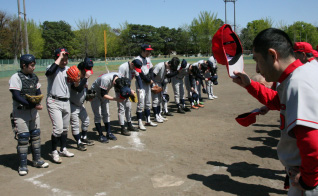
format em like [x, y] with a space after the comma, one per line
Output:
[59, 98]
[22, 107]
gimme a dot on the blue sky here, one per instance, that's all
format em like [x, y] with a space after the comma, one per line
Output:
[169, 13]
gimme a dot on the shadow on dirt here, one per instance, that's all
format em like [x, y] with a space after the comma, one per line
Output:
[223, 183]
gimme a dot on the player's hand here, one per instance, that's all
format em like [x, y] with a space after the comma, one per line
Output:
[197, 82]
[242, 79]
[39, 107]
[132, 92]
[294, 175]
[88, 74]
[192, 89]
[263, 110]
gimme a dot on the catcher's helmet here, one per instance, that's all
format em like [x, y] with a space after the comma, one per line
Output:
[26, 59]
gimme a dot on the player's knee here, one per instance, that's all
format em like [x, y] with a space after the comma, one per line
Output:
[35, 134]
[23, 138]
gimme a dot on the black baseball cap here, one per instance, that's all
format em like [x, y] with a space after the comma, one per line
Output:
[138, 64]
[125, 92]
[88, 64]
[59, 50]
[146, 47]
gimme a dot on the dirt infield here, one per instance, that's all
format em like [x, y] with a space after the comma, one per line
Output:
[203, 152]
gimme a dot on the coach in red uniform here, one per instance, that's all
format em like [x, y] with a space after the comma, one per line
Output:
[296, 98]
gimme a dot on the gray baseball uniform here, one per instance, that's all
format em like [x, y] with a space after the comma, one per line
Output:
[78, 111]
[178, 83]
[99, 104]
[24, 119]
[124, 108]
[160, 72]
[58, 105]
[144, 101]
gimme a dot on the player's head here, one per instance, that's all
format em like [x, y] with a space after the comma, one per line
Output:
[63, 54]
[272, 50]
[137, 64]
[303, 51]
[194, 71]
[203, 67]
[87, 65]
[174, 63]
[26, 60]
[146, 50]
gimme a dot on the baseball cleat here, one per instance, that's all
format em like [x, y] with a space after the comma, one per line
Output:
[163, 118]
[200, 105]
[180, 110]
[56, 157]
[23, 171]
[210, 98]
[194, 107]
[151, 124]
[40, 164]
[81, 147]
[66, 153]
[167, 114]
[103, 139]
[186, 109]
[215, 97]
[125, 132]
[111, 136]
[87, 142]
[158, 119]
[132, 128]
[142, 127]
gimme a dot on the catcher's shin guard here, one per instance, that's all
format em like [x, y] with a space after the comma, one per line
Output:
[22, 149]
[36, 144]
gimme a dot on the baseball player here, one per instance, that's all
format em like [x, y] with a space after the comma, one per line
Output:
[192, 80]
[211, 75]
[25, 116]
[202, 65]
[100, 104]
[58, 104]
[144, 92]
[296, 97]
[303, 52]
[178, 74]
[128, 70]
[78, 110]
[159, 75]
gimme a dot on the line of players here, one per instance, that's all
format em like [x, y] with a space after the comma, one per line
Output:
[65, 99]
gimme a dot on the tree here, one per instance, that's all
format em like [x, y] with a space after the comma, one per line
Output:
[202, 30]
[253, 28]
[56, 35]
[36, 41]
[303, 32]
[5, 35]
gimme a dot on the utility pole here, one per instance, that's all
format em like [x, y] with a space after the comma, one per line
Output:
[26, 29]
[20, 29]
[233, 1]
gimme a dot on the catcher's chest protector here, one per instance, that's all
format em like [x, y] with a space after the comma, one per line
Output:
[28, 84]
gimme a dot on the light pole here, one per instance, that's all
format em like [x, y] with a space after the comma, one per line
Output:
[225, 1]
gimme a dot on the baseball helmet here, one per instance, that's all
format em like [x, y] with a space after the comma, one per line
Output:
[195, 96]
[165, 97]
[26, 59]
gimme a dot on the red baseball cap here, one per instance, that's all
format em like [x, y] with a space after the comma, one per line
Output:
[303, 47]
[227, 49]
[146, 47]
[248, 118]
[315, 53]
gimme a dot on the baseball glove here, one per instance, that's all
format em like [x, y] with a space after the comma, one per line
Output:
[156, 89]
[35, 99]
[133, 98]
[91, 94]
[73, 74]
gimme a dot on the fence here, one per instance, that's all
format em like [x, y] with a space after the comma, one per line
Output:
[7, 66]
